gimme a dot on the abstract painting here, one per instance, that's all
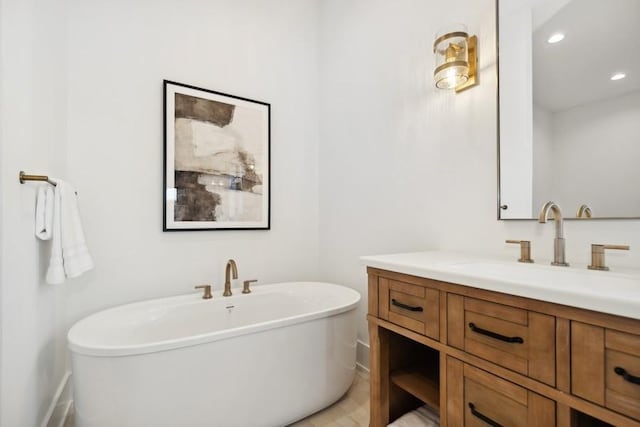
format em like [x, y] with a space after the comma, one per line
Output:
[216, 160]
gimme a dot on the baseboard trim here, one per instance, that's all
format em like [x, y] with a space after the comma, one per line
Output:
[65, 415]
[362, 355]
[58, 410]
[362, 368]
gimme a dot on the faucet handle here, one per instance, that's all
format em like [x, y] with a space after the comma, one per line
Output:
[525, 250]
[245, 287]
[207, 291]
[619, 247]
[597, 255]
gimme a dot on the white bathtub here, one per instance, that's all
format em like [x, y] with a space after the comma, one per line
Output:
[267, 358]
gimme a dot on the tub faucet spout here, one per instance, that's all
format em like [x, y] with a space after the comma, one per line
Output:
[231, 268]
[558, 241]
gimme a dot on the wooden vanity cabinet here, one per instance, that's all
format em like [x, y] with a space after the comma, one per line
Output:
[483, 358]
[410, 306]
[477, 398]
[606, 367]
[521, 340]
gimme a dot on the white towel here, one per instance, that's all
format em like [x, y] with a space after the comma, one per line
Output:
[421, 417]
[69, 253]
[44, 212]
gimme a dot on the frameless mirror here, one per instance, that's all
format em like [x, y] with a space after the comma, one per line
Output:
[569, 107]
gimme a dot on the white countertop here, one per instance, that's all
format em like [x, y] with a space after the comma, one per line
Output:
[613, 292]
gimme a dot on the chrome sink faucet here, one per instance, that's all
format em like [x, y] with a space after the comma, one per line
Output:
[558, 241]
[231, 268]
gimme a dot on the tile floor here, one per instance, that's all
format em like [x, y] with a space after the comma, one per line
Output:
[352, 410]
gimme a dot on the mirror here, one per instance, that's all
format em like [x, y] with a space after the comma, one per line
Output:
[569, 107]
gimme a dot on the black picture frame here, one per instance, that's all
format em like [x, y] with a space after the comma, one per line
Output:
[217, 160]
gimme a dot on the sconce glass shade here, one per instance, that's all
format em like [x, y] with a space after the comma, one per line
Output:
[451, 50]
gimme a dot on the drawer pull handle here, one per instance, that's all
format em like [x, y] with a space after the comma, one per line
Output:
[516, 340]
[482, 416]
[627, 376]
[405, 306]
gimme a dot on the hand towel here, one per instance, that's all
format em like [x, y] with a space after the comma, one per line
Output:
[421, 417]
[44, 212]
[69, 253]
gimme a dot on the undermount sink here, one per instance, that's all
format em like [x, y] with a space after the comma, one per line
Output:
[548, 276]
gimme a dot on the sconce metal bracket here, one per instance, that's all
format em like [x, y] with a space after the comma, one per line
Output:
[473, 65]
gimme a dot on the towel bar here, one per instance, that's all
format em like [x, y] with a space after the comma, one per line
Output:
[26, 177]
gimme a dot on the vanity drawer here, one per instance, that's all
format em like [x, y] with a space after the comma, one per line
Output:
[520, 340]
[410, 306]
[478, 398]
[606, 367]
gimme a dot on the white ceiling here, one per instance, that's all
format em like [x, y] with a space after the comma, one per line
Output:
[602, 37]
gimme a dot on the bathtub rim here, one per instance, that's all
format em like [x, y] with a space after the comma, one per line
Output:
[76, 347]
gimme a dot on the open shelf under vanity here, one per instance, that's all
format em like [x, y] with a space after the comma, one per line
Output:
[579, 419]
[413, 375]
[419, 385]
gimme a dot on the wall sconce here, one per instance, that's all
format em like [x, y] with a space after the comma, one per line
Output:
[456, 59]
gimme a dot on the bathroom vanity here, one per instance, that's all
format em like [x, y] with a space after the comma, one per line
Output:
[498, 343]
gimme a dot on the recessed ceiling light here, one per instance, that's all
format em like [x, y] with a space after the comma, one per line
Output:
[555, 38]
[618, 76]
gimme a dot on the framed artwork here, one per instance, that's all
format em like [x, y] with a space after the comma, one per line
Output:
[216, 160]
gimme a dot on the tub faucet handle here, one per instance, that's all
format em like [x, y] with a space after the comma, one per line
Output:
[207, 291]
[245, 288]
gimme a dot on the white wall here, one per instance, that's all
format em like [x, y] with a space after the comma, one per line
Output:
[596, 152]
[406, 167]
[401, 162]
[32, 123]
[2, 136]
[119, 53]
[82, 99]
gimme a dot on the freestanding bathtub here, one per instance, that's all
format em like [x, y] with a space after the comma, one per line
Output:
[267, 358]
